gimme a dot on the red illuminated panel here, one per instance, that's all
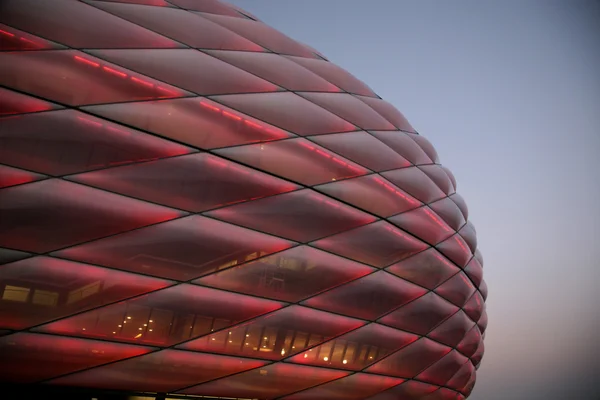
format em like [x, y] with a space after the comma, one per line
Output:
[183, 26]
[460, 380]
[368, 297]
[195, 121]
[449, 212]
[297, 159]
[437, 174]
[10, 176]
[402, 144]
[67, 141]
[410, 360]
[483, 321]
[301, 216]
[267, 382]
[444, 394]
[195, 183]
[12, 39]
[9, 255]
[288, 111]
[17, 103]
[416, 183]
[162, 371]
[475, 271]
[158, 3]
[423, 223]
[208, 6]
[334, 74]
[290, 275]
[79, 25]
[457, 289]
[379, 244]
[421, 315]
[483, 289]
[354, 387]
[71, 213]
[451, 331]
[41, 289]
[409, 390]
[75, 78]
[389, 112]
[460, 202]
[164, 317]
[364, 149]
[351, 109]
[181, 67]
[277, 335]
[475, 306]
[357, 349]
[30, 357]
[470, 343]
[277, 69]
[371, 193]
[426, 146]
[441, 372]
[456, 249]
[467, 232]
[183, 249]
[262, 34]
[476, 358]
[428, 268]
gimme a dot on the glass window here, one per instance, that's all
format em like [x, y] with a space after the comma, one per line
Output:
[423, 223]
[402, 144]
[77, 78]
[351, 109]
[379, 244]
[31, 357]
[410, 360]
[60, 288]
[277, 69]
[79, 25]
[389, 112]
[195, 121]
[364, 149]
[301, 216]
[372, 193]
[437, 174]
[428, 268]
[416, 183]
[163, 371]
[441, 372]
[354, 387]
[334, 74]
[12, 39]
[195, 183]
[457, 289]
[456, 249]
[10, 176]
[453, 330]
[181, 25]
[276, 335]
[296, 159]
[262, 34]
[420, 315]
[449, 212]
[68, 141]
[180, 67]
[368, 297]
[51, 214]
[164, 317]
[357, 349]
[290, 275]
[16, 103]
[288, 111]
[182, 249]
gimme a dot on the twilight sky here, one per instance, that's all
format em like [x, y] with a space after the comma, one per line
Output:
[509, 93]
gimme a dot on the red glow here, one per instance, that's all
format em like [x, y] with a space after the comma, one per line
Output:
[392, 189]
[87, 121]
[436, 219]
[89, 62]
[115, 72]
[6, 33]
[133, 78]
[232, 116]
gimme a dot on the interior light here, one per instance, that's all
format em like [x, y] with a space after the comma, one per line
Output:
[306, 355]
[345, 362]
[325, 358]
[128, 317]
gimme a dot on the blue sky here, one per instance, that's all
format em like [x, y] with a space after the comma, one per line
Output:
[509, 93]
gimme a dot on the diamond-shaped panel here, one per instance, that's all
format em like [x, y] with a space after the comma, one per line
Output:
[292, 236]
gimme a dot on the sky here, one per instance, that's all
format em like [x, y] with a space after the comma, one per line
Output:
[508, 91]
